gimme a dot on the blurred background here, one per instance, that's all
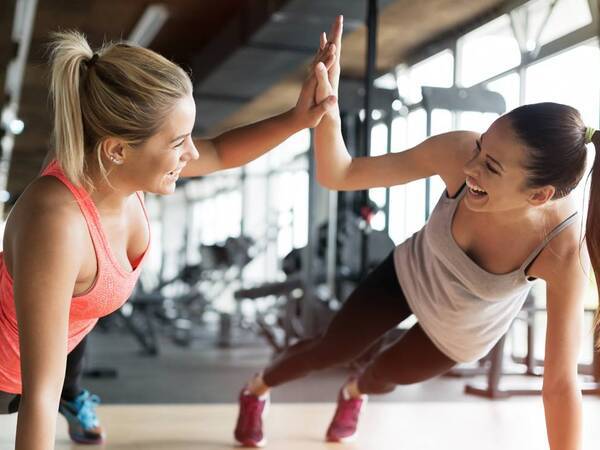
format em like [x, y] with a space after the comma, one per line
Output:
[247, 261]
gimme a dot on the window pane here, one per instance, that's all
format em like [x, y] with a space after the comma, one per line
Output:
[487, 51]
[475, 121]
[508, 87]
[571, 78]
[436, 70]
[567, 16]
[407, 202]
[441, 121]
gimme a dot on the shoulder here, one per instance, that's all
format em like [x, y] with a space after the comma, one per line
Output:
[564, 259]
[450, 152]
[45, 216]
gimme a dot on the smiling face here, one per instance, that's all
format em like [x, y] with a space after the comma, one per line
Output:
[155, 165]
[496, 177]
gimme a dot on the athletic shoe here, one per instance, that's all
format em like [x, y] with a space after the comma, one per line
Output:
[345, 421]
[84, 427]
[248, 430]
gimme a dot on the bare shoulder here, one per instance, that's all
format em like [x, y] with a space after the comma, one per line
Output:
[45, 216]
[563, 258]
[451, 151]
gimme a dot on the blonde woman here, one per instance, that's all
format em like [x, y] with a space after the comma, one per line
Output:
[76, 239]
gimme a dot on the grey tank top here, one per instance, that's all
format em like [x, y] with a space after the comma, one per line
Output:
[463, 308]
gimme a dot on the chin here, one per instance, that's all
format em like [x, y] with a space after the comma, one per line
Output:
[166, 190]
[475, 204]
[161, 188]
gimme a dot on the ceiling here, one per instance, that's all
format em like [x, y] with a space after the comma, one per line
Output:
[246, 57]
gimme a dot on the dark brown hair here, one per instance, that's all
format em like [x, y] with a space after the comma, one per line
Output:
[555, 137]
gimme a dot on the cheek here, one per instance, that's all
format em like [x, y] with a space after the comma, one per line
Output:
[163, 162]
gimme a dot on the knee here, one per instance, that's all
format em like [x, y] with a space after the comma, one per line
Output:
[388, 372]
[326, 355]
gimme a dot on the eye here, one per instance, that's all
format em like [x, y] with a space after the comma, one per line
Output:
[179, 144]
[491, 169]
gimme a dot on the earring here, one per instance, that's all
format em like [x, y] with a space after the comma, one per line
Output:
[115, 160]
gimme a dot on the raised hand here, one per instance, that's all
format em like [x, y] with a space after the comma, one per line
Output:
[308, 110]
[334, 39]
[324, 89]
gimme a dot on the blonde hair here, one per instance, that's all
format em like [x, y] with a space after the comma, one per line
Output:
[121, 91]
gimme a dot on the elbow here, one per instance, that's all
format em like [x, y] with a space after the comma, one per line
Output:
[327, 181]
[559, 390]
[334, 180]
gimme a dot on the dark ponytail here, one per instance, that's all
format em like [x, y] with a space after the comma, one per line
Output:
[592, 228]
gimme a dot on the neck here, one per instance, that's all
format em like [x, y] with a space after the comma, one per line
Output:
[110, 193]
[525, 216]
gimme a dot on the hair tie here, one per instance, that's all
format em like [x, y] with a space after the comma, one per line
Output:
[92, 60]
[589, 134]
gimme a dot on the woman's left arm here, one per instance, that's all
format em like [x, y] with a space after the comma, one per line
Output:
[566, 283]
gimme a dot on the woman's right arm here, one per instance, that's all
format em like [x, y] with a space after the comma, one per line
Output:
[46, 260]
[443, 155]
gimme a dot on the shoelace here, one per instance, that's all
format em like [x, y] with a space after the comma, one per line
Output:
[86, 409]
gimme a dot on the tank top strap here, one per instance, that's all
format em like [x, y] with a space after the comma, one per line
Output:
[458, 195]
[555, 232]
[87, 206]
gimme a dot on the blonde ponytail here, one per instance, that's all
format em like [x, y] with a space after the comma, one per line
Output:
[121, 91]
[69, 51]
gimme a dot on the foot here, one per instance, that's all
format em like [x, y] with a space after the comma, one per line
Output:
[345, 421]
[84, 427]
[249, 427]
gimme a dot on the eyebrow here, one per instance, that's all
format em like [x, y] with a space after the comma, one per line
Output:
[179, 137]
[489, 156]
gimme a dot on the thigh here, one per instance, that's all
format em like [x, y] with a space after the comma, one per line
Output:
[9, 403]
[374, 307]
[411, 359]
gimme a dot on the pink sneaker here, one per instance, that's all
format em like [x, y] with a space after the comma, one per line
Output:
[345, 421]
[248, 430]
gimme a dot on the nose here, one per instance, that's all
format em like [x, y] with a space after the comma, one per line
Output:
[471, 167]
[191, 152]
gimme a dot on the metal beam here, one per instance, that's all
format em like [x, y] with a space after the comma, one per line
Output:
[21, 36]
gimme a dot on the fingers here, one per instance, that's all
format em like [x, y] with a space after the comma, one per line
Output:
[329, 61]
[318, 111]
[323, 88]
[335, 33]
[321, 77]
[323, 40]
[325, 55]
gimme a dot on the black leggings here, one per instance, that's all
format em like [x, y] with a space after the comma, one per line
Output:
[9, 403]
[376, 306]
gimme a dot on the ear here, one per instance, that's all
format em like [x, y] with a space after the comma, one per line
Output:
[541, 195]
[113, 150]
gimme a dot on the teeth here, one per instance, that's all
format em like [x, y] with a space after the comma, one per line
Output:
[475, 188]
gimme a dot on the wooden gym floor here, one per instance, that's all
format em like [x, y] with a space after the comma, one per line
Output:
[503, 425]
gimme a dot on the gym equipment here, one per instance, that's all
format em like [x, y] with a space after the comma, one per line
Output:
[280, 321]
[181, 315]
[493, 364]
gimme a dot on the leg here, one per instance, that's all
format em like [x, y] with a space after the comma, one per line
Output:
[412, 359]
[77, 405]
[9, 403]
[376, 306]
[74, 371]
